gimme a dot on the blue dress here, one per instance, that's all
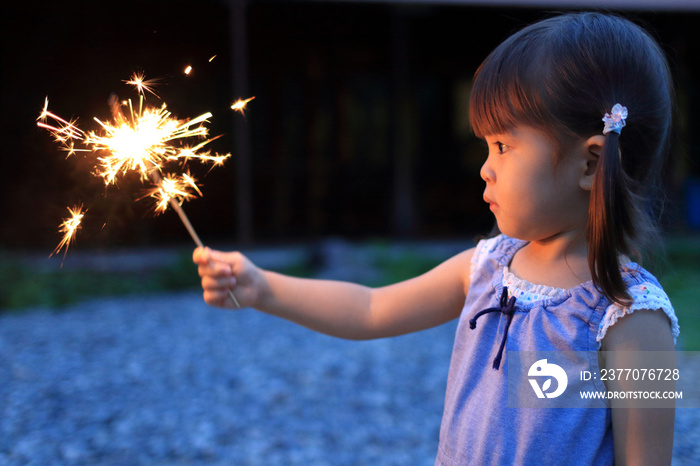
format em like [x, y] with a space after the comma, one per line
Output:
[478, 426]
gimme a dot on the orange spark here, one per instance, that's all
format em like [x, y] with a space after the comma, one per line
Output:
[240, 105]
[64, 130]
[68, 228]
[141, 84]
[172, 187]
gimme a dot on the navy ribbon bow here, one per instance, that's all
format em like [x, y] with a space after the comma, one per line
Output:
[507, 307]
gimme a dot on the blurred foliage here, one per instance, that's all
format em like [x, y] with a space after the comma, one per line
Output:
[680, 280]
[23, 287]
[394, 267]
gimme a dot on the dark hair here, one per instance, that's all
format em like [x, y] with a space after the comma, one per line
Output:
[561, 75]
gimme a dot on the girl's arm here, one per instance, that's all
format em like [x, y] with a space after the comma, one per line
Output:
[341, 309]
[641, 436]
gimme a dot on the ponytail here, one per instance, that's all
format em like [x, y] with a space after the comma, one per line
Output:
[610, 221]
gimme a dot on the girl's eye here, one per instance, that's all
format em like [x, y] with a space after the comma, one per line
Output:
[501, 147]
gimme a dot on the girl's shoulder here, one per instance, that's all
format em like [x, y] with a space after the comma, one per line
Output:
[647, 294]
[500, 247]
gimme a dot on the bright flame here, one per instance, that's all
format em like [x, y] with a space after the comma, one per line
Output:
[188, 70]
[210, 60]
[145, 141]
[69, 227]
[240, 105]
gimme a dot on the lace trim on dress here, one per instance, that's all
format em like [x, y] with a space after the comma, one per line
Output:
[526, 291]
[645, 296]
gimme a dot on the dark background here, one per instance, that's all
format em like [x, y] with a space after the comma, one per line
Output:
[359, 127]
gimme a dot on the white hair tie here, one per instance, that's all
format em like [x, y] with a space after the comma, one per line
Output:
[615, 120]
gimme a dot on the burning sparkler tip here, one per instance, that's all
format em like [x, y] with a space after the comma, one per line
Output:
[240, 105]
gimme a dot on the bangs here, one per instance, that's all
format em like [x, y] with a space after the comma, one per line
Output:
[510, 88]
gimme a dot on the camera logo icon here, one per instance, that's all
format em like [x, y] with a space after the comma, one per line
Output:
[542, 369]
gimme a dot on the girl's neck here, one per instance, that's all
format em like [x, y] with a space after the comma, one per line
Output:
[560, 261]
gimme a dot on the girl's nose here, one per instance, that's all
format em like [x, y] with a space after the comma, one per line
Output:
[486, 172]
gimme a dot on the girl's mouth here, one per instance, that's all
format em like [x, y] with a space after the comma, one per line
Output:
[492, 205]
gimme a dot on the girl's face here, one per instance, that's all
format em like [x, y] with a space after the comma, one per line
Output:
[532, 197]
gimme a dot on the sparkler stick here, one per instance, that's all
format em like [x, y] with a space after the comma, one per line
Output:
[158, 180]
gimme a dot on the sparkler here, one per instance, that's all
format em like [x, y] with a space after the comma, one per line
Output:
[240, 105]
[68, 228]
[144, 141]
[137, 80]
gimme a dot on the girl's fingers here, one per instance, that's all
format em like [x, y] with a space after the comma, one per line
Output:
[219, 256]
[220, 273]
[217, 291]
[215, 269]
[200, 255]
[218, 283]
[213, 262]
[216, 298]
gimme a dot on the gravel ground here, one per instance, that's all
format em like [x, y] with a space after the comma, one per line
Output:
[164, 379]
[167, 380]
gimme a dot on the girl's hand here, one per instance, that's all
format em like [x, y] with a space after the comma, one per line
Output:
[222, 272]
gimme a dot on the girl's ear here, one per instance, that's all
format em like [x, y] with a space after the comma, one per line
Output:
[592, 148]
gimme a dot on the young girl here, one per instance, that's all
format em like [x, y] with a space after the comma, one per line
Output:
[576, 112]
